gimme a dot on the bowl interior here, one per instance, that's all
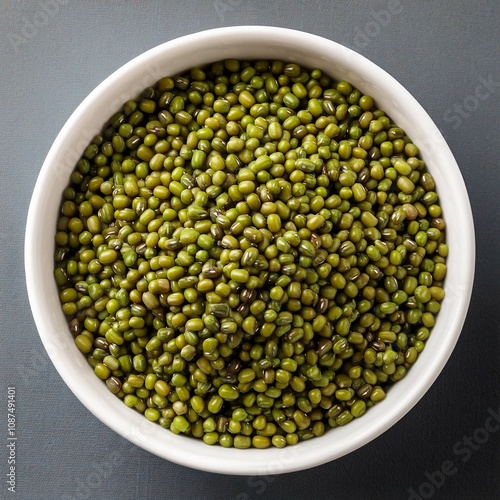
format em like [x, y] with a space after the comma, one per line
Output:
[248, 42]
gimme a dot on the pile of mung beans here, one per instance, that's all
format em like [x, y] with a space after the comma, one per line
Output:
[250, 253]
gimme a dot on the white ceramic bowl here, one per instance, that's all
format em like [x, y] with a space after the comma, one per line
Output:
[245, 42]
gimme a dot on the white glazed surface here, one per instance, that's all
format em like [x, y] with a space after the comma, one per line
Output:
[246, 42]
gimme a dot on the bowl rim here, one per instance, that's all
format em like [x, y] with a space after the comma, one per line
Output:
[230, 461]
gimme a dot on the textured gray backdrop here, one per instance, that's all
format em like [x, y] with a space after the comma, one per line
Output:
[54, 52]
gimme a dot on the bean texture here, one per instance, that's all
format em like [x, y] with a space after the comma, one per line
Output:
[251, 253]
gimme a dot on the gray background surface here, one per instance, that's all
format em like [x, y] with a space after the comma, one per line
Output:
[52, 54]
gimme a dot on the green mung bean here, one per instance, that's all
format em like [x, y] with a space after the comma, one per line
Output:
[251, 253]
